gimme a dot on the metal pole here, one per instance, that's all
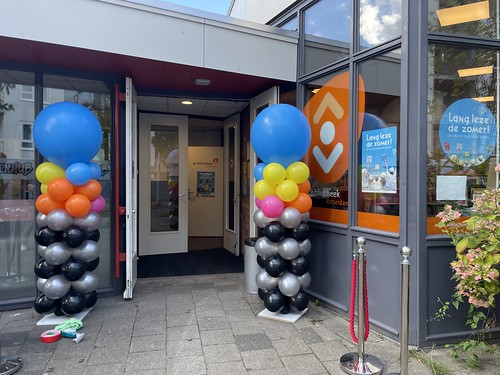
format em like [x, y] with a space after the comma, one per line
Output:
[361, 363]
[405, 310]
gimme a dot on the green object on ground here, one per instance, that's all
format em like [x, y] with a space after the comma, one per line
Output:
[72, 323]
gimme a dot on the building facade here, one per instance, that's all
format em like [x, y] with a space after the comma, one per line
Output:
[378, 80]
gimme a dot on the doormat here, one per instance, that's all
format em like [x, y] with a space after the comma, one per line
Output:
[199, 262]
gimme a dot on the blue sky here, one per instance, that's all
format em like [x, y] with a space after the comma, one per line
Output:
[215, 6]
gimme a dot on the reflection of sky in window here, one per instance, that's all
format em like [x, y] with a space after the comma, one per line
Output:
[380, 20]
[329, 20]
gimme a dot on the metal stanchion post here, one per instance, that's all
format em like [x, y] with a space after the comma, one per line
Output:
[405, 309]
[361, 363]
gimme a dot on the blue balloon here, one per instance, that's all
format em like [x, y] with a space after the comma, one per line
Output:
[66, 133]
[258, 171]
[78, 173]
[281, 134]
[95, 170]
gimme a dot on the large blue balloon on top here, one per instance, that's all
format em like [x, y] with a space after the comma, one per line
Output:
[281, 134]
[66, 133]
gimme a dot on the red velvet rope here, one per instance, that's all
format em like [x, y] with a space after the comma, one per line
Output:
[353, 302]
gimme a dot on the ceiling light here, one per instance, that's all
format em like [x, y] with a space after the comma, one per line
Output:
[485, 99]
[202, 82]
[464, 13]
[475, 71]
[187, 102]
[314, 91]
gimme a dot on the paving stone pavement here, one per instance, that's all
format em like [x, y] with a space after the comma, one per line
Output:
[201, 325]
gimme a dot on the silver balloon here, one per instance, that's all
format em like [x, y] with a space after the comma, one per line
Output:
[305, 247]
[260, 219]
[56, 287]
[59, 219]
[290, 217]
[266, 248]
[86, 284]
[57, 253]
[40, 284]
[306, 216]
[288, 284]
[41, 250]
[41, 219]
[304, 280]
[89, 222]
[86, 252]
[289, 248]
[265, 281]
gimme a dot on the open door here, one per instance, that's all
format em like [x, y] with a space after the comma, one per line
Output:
[257, 105]
[163, 176]
[232, 184]
[130, 188]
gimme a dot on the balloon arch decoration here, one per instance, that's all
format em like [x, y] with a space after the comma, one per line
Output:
[281, 136]
[68, 136]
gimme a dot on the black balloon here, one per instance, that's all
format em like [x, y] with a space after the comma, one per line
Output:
[73, 269]
[301, 232]
[73, 236]
[274, 231]
[58, 311]
[92, 265]
[73, 302]
[44, 305]
[45, 270]
[275, 265]
[45, 236]
[262, 294]
[94, 235]
[261, 261]
[90, 299]
[285, 309]
[274, 300]
[261, 232]
[300, 300]
[299, 265]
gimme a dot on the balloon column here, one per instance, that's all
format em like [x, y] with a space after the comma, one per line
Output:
[281, 136]
[68, 136]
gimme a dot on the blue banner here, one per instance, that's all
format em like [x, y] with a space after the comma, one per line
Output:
[468, 132]
[379, 160]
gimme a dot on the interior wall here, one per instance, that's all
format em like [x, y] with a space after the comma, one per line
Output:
[246, 175]
[205, 133]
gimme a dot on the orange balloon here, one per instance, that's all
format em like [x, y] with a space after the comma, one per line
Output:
[77, 205]
[305, 187]
[45, 204]
[91, 189]
[60, 189]
[303, 203]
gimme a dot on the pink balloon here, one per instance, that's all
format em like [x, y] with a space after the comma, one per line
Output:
[98, 204]
[272, 206]
[258, 202]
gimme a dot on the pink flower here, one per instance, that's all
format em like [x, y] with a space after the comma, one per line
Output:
[497, 168]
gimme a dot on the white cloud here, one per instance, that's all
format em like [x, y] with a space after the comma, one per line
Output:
[380, 20]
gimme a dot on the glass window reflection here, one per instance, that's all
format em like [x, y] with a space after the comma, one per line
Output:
[325, 44]
[478, 18]
[379, 21]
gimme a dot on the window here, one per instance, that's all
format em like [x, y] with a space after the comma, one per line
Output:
[325, 44]
[28, 93]
[291, 24]
[379, 91]
[379, 21]
[27, 136]
[473, 18]
[462, 143]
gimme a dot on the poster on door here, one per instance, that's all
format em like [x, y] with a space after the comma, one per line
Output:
[379, 160]
[205, 184]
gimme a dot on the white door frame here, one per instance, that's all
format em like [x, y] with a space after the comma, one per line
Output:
[231, 239]
[257, 104]
[168, 241]
[130, 188]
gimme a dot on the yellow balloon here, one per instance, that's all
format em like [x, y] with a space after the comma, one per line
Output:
[43, 188]
[46, 172]
[287, 191]
[298, 172]
[274, 173]
[263, 189]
